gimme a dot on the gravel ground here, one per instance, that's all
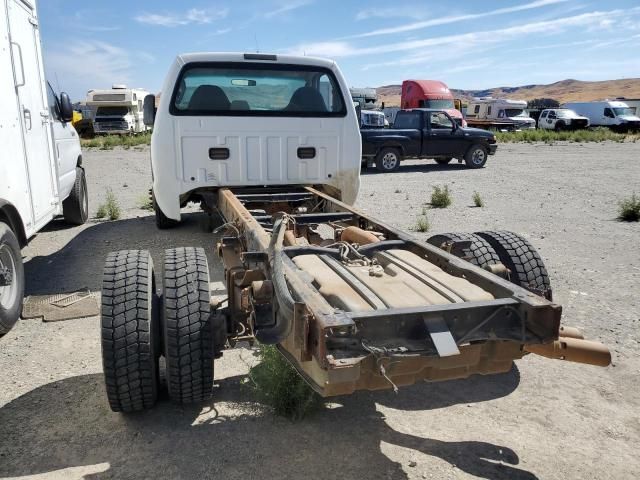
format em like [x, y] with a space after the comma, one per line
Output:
[544, 419]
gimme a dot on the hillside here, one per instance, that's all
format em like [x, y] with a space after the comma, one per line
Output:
[563, 91]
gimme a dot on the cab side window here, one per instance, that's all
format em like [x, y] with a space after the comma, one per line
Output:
[54, 105]
[552, 114]
[439, 120]
[544, 114]
[608, 113]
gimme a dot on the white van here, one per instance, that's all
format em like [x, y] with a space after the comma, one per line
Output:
[614, 114]
[41, 174]
[233, 119]
[117, 110]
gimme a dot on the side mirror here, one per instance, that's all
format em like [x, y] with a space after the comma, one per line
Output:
[66, 109]
[149, 110]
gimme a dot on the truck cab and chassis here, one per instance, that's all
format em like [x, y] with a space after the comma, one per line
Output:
[271, 145]
[426, 133]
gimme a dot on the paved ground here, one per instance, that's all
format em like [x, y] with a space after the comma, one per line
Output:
[544, 419]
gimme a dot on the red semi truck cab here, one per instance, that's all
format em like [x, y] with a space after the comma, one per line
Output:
[429, 94]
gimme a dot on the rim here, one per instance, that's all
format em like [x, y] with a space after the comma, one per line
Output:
[478, 156]
[9, 293]
[389, 161]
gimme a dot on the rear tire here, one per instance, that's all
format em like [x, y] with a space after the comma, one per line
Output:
[479, 252]
[476, 156]
[524, 262]
[187, 328]
[75, 207]
[11, 273]
[559, 126]
[129, 331]
[388, 160]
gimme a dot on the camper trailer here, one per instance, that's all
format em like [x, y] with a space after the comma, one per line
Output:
[498, 113]
[613, 114]
[41, 174]
[118, 110]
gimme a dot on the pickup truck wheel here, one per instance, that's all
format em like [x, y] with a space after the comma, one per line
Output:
[443, 161]
[75, 207]
[187, 327]
[388, 160]
[11, 279]
[476, 156]
[524, 262]
[129, 331]
[467, 246]
[162, 221]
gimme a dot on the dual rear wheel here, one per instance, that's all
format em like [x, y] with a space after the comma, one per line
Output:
[139, 326]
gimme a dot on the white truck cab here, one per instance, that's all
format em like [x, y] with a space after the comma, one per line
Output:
[41, 174]
[614, 114]
[118, 110]
[561, 119]
[233, 119]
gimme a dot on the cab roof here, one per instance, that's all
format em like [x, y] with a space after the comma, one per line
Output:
[267, 58]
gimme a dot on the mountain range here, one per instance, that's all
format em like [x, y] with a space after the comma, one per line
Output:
[569, 90]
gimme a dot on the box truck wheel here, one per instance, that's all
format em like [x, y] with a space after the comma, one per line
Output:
[130, 331]
[11, 279]
[162, 221]
[522, 259]
[187, 331]
[76, 206]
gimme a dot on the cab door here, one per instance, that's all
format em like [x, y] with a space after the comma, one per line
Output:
[443, 138]
[29, 82]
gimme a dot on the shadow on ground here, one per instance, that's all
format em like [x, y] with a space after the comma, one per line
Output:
[66, 427]
[79, 263]
[420, 167]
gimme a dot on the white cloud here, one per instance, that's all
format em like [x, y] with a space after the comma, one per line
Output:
[409, 11]
[287, 7]
[456, 18]
[192, 16]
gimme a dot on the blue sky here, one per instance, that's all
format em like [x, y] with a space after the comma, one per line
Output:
[467, 44]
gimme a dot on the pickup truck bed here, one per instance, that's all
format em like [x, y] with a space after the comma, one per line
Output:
[433, 134]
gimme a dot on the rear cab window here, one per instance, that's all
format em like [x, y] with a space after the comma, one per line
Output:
[408, 120]
[257, 89]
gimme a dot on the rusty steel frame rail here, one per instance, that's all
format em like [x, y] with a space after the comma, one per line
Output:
[327, 345]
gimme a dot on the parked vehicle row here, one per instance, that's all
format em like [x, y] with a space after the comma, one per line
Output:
[41, 173]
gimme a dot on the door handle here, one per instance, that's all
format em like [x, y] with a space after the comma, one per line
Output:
[27, 116]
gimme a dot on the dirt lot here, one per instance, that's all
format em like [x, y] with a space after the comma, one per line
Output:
[544, 419]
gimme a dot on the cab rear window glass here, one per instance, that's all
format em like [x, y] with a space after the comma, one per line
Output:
[239, 89]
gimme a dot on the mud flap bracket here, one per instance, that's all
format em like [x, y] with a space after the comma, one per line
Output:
[441, 336]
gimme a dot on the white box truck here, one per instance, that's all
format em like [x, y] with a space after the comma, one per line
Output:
[117, 110]
[41, 174]
[613, 114]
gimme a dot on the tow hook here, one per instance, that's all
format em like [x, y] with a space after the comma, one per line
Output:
[6, 278]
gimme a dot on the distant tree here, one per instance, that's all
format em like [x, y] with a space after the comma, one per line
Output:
[539, 103]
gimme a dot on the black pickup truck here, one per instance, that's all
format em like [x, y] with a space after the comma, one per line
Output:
[426, 133]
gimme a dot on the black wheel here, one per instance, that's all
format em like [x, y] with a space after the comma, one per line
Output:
[524, 262]
[75, 207]
[559, 126]
[468, 246]
[476, 156]
[11, 279]
[162, 222]
[388, 160]
[130, 335]
[443, 161]
[187, 328]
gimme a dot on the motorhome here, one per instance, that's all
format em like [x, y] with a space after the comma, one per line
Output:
[118, 110]
[41, 174]
[429, 94]
[613, 114]
[498, 113]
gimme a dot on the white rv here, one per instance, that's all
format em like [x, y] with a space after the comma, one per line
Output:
[614, 114]
[41, 174]
[118, 110]
[491, 112]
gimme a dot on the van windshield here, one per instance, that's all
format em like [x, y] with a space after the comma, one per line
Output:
[623, 111]
[515, 112]
[112, 111]
[257, 90]
[438, 104]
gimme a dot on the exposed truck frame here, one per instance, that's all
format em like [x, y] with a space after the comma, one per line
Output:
[351, 302]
